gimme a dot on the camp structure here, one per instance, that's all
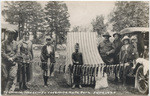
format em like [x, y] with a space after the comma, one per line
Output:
[93, 64]
[7, 28]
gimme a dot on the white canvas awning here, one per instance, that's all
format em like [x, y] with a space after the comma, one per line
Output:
[88, 47]
[7, 26]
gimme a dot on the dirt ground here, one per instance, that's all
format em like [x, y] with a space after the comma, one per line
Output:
[58, 85]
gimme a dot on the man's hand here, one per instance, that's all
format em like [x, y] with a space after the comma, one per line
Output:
[77, 62]
[107, 53]
[11, 59]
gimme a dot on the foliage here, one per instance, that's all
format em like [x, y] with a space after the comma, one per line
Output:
[23, 13]
[130, 14]
[57, 17]
[81, 29]
[75, 29]
[98, 24]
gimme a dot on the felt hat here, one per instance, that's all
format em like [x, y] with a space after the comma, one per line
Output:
[106, 34]
[116, 33]
[133, 37]
[48, 38]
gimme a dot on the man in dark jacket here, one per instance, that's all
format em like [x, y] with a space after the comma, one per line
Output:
[106, 49]
[117, 44]
[77, 60]
[48, 60]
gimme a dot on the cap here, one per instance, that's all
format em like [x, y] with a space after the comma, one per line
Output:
[125, 38]
[48, 37]
[77, 46]
[133, 37]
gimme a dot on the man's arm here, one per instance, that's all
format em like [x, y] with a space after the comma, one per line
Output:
[54, 54]
[120, 54]
[3, 51]
[42, 54]
[73, 58]
[81, 58]
[112, 50]
[31, 50]
[99, 48]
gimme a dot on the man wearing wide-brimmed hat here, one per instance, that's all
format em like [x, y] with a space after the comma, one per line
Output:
[25, 73]
[117, 44]
[135, 53]
[106, 49]
[48, 59]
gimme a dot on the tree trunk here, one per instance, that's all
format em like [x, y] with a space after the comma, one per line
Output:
[35, 34]
[19, 31]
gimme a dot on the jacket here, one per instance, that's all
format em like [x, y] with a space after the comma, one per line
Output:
[125, 54]
[103, 48]
[44, 54]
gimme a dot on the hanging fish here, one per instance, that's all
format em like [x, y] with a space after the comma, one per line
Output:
[85, 74]
[94, 73]
[60, 68]
[82, 74]
[88, 74]
[97, 68]
[93, 70]
[91, 74]
[64, 68]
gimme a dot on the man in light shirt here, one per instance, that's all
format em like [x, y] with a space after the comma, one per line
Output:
[48, 60]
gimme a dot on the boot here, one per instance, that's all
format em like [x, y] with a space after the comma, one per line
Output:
[116, 79]
[73, 86]
[20, 86]
[45, 80]
[25, 86]
[80, 86]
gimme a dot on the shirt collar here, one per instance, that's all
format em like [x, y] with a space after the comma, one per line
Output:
[106, 41]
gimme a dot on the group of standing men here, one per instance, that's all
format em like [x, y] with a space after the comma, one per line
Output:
[119, 51]
[16, 62]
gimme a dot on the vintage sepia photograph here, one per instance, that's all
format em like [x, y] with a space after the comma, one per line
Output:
[74, 48]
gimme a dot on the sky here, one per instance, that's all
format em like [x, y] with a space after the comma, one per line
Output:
[83, 12]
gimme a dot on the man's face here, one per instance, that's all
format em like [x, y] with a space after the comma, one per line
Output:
[48, 41]
[26, 38]
[133, 40]
[77, 49]
[126, 41]
[116, 36]
[106, 38]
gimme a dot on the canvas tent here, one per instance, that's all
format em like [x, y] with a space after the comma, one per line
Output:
[6, 28]
[88, 47]
[9, 27]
